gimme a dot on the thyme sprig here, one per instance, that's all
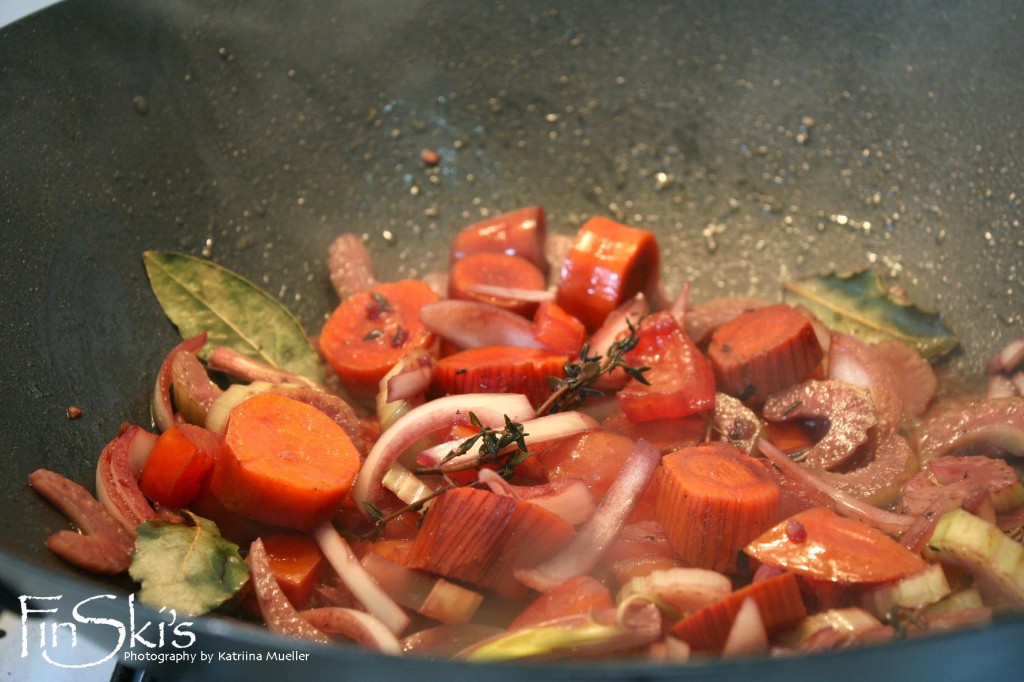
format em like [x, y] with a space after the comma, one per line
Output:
[494, 448]
[577, 386]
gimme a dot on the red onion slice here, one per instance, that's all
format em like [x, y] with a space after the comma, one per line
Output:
[489, 408]
[229, 361]
[748, 635]
[569, 498]
[852, 361]
[359, 626]
[1008, 358]
[600, 531]
[116, 486]
[363, 587]
[535, 432]
[278, 613]
[350, 266]
[513, 293]
[161, 405]
[846, 505]
[471, 324]
[412, 381]
[680, 304]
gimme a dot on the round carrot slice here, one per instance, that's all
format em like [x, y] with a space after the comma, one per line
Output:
[285, 463]
[495, 270]
[371, 331]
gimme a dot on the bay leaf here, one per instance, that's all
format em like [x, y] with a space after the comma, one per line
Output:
[190, 568]
[860, 304]
[199, 295]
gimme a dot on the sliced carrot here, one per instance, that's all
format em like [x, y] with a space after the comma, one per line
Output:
[396, 550]
[680, 381]
[575, 596]
[517, 233]
[297, 564]
[482, 538]
[495, 270]
[763, 351]
[777, 598]
[178, 465]
[820, 544]
[712, 501]
[285, 463]
[558, 330]
[500, 369]
[371, 331]
[595, 458]
[607, 264]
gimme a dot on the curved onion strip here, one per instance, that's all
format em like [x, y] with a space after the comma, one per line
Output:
[535, 432]
[679, 305]
[747, 636]
[363, 587]
[163, 409]
[359, 626]
[489, 408]
[116, 487]
[350, 265]
[586, 548]
[847, 505]
[1008, 358]
[852, 361]
[278, 613]
[411, 381]
[569, 498]
[139, 449]
[229, 361]
[471, 324]
[516, 294]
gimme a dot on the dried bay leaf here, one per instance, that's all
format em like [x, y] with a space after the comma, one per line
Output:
[861, 305]
[190, 568]
[199, 295]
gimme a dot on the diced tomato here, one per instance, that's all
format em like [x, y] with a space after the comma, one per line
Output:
[680, 380]
[594, 457]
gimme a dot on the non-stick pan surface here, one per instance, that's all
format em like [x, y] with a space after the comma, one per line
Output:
[760, 140]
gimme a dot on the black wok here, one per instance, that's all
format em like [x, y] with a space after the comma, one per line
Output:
[760, 140]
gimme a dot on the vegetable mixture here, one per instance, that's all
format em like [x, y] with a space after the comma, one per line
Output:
[539, 454]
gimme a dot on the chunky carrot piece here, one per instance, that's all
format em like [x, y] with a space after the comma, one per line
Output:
[579, 595]
[777, 598]
[558, 330]
[481, 538]
[297, 564]
[495, 270]
[607, 264]
[763, 351]
[680, 381]
[284, 463]
[713, 500]
[371, 331]
[516, 233]
[820, 544]
[178, 465]
[500, 369]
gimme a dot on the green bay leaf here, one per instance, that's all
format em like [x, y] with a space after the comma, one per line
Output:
[861, 305]
[189, 568]
[199, 295]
